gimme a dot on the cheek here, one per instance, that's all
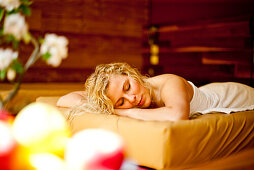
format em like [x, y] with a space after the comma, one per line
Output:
[148, 97]
[127, 106]
[135, 87]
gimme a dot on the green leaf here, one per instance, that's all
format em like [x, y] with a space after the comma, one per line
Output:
[46, 56]
[26, 2]
[17, 66]
[1, 31]
[9, 38]
[1, 14]
[27, 38]
[3, 74]
[25, 9]
[15, 44]
[14, 11]
[41, 40]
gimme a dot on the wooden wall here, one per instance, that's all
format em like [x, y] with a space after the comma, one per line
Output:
[98, 32]
[187, 11]
[202, 40]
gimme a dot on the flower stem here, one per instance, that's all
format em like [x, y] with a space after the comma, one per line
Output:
[35, 54]
[31, 60]
[1, 102]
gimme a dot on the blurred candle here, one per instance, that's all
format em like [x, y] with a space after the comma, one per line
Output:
[94, 149]
[46, 161]
[7, 146]
[41, 128]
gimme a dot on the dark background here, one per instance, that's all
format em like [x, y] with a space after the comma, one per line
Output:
[201, 40]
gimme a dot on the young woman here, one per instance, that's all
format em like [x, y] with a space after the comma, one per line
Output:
[120, 89]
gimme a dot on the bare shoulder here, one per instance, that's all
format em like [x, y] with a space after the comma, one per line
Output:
[163, 78]
[81, 93]
[72, 99]
[171, 84]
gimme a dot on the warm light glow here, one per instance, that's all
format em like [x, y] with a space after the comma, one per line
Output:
[154, 58]
[154, 49]
[41, 128]
[7, 142]
[47, 161]
[87, 145]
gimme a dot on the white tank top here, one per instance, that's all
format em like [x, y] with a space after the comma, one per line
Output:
[222, 97]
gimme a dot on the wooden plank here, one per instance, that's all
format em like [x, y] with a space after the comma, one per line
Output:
[215, 27]
[87, 51]
[202, 72]
[240, 57]
[56, 75]
[179, 12]
[98, 32]
[243, 71]
[196, 49]
[193, 59]
[93, 17]
[226, 42]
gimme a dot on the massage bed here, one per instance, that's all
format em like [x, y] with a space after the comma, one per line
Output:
[204, 141]
[163, 145]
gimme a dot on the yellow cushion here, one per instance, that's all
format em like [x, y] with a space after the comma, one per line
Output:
[166, 144]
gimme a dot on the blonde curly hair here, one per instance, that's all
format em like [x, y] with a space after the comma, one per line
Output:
[96, 86]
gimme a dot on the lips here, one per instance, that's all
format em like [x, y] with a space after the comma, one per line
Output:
[140, 102]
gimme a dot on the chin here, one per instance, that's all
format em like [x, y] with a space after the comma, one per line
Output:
[147, 103]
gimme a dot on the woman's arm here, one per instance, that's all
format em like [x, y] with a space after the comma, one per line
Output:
[158, 114]
[176, 94]
[71, 99]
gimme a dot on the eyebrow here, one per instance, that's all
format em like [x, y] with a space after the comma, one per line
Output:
[123, 85]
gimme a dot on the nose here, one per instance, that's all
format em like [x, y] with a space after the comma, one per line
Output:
[131, 98]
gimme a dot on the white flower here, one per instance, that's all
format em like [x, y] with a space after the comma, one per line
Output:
[11, 74]
[9, 4]
[6, 57]
[15, 24]
[56, 46]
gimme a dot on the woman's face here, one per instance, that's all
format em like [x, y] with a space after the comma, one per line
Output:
[125, 93]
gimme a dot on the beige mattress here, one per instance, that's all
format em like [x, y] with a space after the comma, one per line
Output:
[163, 145]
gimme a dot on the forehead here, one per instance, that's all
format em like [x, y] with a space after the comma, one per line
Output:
[117, 77]
[115, 82]
[115, 86]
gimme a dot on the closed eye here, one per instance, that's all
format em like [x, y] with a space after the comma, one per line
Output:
[128, 86]
[121, 102]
